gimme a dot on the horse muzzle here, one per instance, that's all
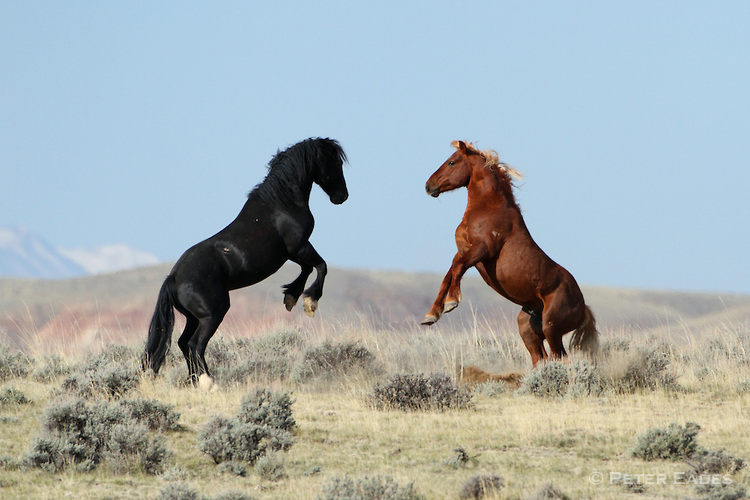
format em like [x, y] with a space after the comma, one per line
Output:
[339, 198]
[433, 191]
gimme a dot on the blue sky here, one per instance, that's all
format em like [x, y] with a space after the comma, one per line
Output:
[147, 123]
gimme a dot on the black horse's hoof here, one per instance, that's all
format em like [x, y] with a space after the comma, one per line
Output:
[289, 301]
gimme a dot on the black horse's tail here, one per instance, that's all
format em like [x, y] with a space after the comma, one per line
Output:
[162, 324]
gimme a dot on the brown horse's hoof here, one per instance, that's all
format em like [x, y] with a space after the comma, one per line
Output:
[449, 306]
[311, 306]
[429, 320]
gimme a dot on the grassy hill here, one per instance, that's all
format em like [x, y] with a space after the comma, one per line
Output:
[117, 307]
[572, 428]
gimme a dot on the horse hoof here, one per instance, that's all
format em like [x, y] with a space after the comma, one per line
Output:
[429, 320]
[311, 305]
[449, 306]
[206, 383]
[289, 301]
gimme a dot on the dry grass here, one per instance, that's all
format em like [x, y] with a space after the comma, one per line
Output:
[528, 440]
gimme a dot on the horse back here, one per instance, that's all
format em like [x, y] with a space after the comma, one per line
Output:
[250, 249]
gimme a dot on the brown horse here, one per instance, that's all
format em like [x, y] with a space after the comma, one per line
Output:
[493, 238]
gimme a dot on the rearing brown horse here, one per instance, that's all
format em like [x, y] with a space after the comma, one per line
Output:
[493, 238]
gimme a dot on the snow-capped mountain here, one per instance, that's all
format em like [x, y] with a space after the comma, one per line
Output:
[24, 254]
[109, 258]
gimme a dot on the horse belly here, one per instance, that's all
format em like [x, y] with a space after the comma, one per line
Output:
[511, 281]
[255, 268]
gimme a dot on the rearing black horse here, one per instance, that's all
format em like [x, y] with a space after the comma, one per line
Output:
[272, 227]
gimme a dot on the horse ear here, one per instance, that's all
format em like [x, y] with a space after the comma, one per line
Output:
[460, 145]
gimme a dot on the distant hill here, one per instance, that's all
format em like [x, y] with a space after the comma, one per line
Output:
[117, 308]
[25, 254]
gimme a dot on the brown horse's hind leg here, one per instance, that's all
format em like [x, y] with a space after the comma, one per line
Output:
[532, 334]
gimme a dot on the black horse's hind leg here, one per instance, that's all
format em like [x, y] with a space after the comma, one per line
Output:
[204, 311]
[307, 256]
[198, 343]
[191, 326]
[293, 290]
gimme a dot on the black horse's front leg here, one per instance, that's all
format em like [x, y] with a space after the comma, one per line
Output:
[308, 258]
[293, 290]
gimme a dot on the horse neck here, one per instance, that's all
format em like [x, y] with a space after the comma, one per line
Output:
[489, 187]
[279, 191]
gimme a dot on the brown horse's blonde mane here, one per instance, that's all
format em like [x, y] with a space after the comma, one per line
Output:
[491, 160]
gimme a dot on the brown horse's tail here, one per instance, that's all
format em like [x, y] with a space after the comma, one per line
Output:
[586, 338]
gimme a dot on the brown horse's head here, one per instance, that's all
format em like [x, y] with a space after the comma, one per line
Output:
[456, 171]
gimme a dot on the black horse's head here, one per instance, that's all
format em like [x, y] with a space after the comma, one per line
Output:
[292, 172]
[329, 171]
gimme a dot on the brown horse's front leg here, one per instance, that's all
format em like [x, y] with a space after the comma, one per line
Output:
[449, 295]
[437, 308]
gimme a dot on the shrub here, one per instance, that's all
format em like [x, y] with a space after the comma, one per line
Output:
[233, 495]
[479, 486]
[743, 386]
[13, 364]
[367, 488]
[270, 466]
[584, 380]
[226, 439]
[493, 388]
[13, 396]
[419, 392]
[269, 358]
[154, 414]
[8, 462]
[733, 491]
[234, 467]
[673, 443]
[84, 435]
[101, 376]
[280, 342]
[548, 492]
[178, 491]
[263, 407]
[52, 368]
[329, 358]
[715, 462]
[647, 368]
[547, 380]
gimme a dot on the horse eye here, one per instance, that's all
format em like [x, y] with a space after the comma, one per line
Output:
[451, 163]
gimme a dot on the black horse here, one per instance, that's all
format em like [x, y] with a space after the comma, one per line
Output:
[272, 227]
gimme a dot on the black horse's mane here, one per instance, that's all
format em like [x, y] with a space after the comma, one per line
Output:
[290, 171]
